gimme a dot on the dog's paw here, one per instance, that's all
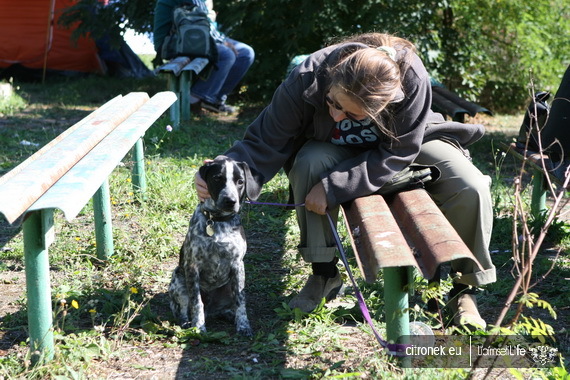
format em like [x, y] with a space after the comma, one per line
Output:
[185, 324]
[189, 325]
[245, 331]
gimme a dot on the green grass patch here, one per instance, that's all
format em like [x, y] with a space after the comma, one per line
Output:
[113, 318]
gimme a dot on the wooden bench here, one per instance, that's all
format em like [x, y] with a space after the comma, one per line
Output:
[449, 103]
[395, 234]
[181, 73]
[65, 174]
[540, 186]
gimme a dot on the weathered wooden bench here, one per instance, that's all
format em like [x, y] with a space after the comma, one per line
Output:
[449, 103]
[395, 234]
[181, 73]
[537, 164]
[65, 174]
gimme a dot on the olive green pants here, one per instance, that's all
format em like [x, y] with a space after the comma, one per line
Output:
[462, 193]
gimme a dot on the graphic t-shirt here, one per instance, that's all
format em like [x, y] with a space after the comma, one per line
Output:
[361, 134]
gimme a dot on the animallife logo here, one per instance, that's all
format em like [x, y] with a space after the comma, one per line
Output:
[361, 133]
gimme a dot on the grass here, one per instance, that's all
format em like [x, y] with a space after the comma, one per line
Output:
[113, 320]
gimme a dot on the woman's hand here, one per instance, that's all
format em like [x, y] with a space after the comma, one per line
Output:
[316, 200]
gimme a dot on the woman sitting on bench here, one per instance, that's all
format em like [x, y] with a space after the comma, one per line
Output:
[343, 123]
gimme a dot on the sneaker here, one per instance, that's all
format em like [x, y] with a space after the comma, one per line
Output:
[316, 288]
[465, 312]
[219, 107]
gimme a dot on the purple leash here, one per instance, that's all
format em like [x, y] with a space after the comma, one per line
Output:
[393, 349]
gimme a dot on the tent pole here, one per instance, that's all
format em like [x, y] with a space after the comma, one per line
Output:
[48, 37]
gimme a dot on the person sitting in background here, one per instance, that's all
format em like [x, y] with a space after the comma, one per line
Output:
[550, 124]
[556, 132]
[234, 57]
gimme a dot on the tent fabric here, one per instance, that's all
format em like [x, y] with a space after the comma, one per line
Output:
[29, 29]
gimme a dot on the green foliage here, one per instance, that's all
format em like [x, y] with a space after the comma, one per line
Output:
[484, 50]
[480, 49]
[536, 328]
[531, 299]
[111, 20]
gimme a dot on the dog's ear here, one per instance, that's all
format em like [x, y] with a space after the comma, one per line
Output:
[208, 164]
[203, 170]
[253, 181]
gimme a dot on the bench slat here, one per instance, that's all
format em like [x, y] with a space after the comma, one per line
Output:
[462, 104]
[374, 230]
[37, 177]
[534, 159]
[174, 66]
[56, 140]
[447, 107]
[74, 190]
[196, 65]
[430, 233]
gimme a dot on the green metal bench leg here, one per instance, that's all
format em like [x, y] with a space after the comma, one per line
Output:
[103, 222]
[38, 235]
[396, 300]
[139, 177]
[185, 95]
[538, 196]
[174, 86]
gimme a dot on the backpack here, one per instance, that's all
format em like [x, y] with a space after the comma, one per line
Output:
[190, 35]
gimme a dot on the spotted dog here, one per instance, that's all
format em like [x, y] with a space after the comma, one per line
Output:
[210, 277]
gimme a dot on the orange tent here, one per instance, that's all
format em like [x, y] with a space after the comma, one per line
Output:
[31, 37]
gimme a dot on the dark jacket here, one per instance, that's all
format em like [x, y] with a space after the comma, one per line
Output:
[298, 112]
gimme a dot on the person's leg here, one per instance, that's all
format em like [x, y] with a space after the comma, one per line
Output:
[463, 194]
[244, 59]
[209, 88]
[317, 244]
[556, 131]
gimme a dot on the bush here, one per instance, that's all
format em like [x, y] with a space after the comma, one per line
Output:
[482, 49]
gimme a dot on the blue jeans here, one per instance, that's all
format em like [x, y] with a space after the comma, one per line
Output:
[228, 72]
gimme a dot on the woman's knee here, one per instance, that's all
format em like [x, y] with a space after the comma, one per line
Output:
[479, 185]
[474, 189]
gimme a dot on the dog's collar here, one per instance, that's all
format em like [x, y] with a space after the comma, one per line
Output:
[212, 218]
[216, 217]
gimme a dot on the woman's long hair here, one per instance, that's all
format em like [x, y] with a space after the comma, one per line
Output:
[372, 77]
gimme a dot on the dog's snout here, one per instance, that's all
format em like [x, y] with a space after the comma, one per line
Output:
[228, 203]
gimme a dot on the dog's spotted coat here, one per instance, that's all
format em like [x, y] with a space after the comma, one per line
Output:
[210, 276]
